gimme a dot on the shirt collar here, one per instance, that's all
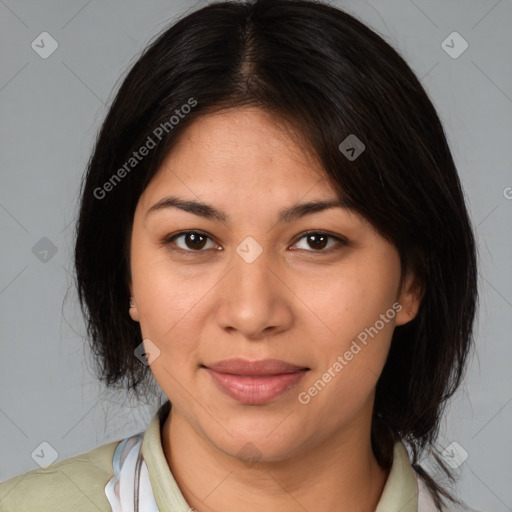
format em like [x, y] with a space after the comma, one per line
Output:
[400, 491]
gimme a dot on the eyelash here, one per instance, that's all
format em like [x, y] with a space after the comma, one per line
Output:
[342, 242]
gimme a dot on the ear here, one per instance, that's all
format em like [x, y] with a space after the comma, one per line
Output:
[409, 298]
[133, 312]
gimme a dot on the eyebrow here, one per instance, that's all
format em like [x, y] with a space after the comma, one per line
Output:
[210, 212]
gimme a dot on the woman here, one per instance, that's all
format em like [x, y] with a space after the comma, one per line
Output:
[272, 227]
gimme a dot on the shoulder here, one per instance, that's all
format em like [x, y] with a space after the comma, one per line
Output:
[76, 482]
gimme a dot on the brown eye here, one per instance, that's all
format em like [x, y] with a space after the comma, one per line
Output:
[191, 241]
[195, 241]
[318, 241]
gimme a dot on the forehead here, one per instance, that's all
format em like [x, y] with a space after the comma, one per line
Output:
[243, 151]
[245, 128]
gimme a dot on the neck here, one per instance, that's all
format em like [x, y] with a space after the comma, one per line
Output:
[341, 474]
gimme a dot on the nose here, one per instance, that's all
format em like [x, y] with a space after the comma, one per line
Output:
[253, 298]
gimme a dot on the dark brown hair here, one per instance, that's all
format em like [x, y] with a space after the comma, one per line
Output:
[330, 76]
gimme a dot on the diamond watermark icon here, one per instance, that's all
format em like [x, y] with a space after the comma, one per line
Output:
[44, 250]
[454, 45]
[44, 45]
[351, 147]
[249, 249]
[454, 455]
[147, 352]
[45, 455]
[250, 454]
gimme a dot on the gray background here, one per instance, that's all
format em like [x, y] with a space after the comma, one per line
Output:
[51, 109]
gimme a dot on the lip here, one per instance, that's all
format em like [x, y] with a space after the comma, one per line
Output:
[255, 382]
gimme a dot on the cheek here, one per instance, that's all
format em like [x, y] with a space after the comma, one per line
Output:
[352, 297]
[166, 298]
[347, 372]
[357, 312]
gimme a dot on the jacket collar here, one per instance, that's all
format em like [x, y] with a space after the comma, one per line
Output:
[400, 493]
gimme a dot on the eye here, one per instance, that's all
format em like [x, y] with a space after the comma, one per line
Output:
[196, 241]
[318, 240]
[192, 241]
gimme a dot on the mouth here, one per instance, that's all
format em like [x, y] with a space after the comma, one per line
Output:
[255, 382]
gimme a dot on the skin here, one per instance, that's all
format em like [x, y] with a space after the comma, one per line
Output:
[296, 302]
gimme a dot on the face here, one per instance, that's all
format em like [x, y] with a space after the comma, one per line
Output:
[318, 291]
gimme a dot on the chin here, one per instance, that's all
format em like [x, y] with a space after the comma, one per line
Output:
[263, 442]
